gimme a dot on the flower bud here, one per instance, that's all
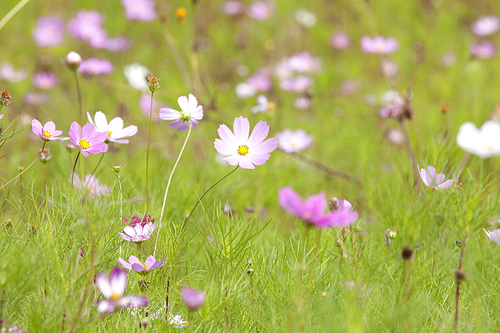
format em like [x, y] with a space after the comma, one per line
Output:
[250, 271]
[5, 99]
[338, 242]
[344, 232]
[73, 60]
[117, 168]
[44, 155]
[20, 168]
[70, 147]
[392, 232]
[153, 83]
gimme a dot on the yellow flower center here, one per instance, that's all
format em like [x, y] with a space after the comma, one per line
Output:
[84, 144]
[47, 134]
[146, 267]
[243, 150]
[181, 13]
[115, 297]
[323, 294]
[272, 106]
[109, 133]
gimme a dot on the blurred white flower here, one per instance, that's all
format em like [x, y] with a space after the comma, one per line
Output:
[483, 142]
[245, 90]
[136, 75]
[306, 18]
[263, 105]
[486, 26]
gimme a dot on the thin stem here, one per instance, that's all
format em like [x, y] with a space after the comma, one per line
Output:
[201, 198]
[326, 169]
[383, 267]
[12, 12]
[74, 165]
[147, 154]
[168, 186]
[20, 173]
[457, 293]
[45, 182]
[411, 153]
[79, 92]
[98, 163]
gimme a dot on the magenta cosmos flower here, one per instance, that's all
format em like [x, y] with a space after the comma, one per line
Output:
[139, 10]
[49, 31]
[312, 210]
[134, 264]
[193, 298]
[113, 289]
[87, 139]
[484, 50]
[379, 45]
[86, 26]
[190, 115]
[433, 180]
[44, 80]
[138, 231]
[48, 131]
[493, 235]
[293, 141]
[94, 66]
[241, 149]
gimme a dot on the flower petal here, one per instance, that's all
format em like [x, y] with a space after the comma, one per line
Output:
[259, 133]
[241, 130]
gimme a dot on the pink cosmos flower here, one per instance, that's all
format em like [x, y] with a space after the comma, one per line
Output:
[241, 149]
[261, 80]
[34, 98]
[48, 131]
[87, 139]
[140, 10]
[299, 84]
[190, 115]
[493, 235]
[134, 264]
[44, 80]
[94, 66]
[233, 7]
[113, 289]
[302, 102]
[49, 31]
[8, 73]
[304, 63]
[433, 180]
[138, 231]
[379, 45]
[118, 44]
[261, 10]
[484, 50]
[192, 298]
[340, 41]
[293, 141]
[91, 183]
[86, 26]
[312, 210]
[486, 26]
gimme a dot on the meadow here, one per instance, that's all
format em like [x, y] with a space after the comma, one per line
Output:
[332, 217]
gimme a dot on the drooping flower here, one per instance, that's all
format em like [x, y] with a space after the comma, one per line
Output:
[113, 289]
[136, 75]
[483, 50]
[293, 141]
[35, 98]
[7, 73]
[298, 84]
[114, 130]
[241, 149]
[190, 115]
[483, 142]
[263, 105]
[49, 31]
[340, 41]
[87, 139]
[140, 10]
[261, 10]
[486, 26]
[91, 183]
[433, 180]
[312, 210]
[134, 264]
[379, 45]
[94, 66]
[192, 298]
[493, 235]
[138, 230]
[44, 80]
[48, 131]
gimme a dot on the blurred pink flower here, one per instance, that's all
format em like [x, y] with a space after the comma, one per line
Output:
[7, 73]
[393, 104]
[302, 102]
[261, 80]
[94, 66]
[86, 26]
[433, 180]
[261, 10]
[145, 106]
[118, 44]
[340, 41]
[304, 63]
[49, 31]
[483, 50]
[34, 98]
[192, 298]
[486, 26]
[44, 80]
[298, 84]
[379, 45]
[140, 10]
[91, 183]
[293, 141]
[395, 137]
[233, 7]
[48, 131]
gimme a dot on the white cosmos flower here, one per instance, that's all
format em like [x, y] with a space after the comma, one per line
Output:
[191, 113]
[263, 105]
[293, 141]
[245, 90]
[483, 142]
[136, 75]
[114, 130]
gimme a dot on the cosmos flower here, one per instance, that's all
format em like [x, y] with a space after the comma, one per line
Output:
[293, 141]
[340, 41]
[312, 210]
[298, 84]
[245, 90]
[86, 26]
[493, 235]
[379, 45]
[94, 66]
[263, 105]
[49, 31]
[48, 131]
[87, 139]
[44, 80]
[393, 104]
[7, 73]
[114, 130]
[483, 50]
[261, 10]
[35, 98]
[190, 115]
[390, 234]
[192, 298]
[176, 321]
[91, 183]
[302, 102]
[241, 149]
[134, 264]
[118, 44]
[136, 75]
[486, 26]
[304, 63]
[233, 7]
[261, 80]
[113, 289]
[483, 142]
[433, 180]
[138, 231]
[139, 10]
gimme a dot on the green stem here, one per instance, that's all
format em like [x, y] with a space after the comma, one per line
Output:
[79, 92]
[12, 12]
[19, 174]
[147, 155]
[98, 163]
[74, 166]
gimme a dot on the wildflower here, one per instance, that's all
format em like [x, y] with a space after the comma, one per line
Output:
[484, 50]
[177, 321]
[293, 141]
[241, 149]
[390, 233]
[34, 98]
[91, 183]
[114, 130]
[394, 105]
[261, 10]
[88, 139]
[11, 328]
[433, 180]
[340, 41]
[493, 235]
[181, 13]
[263, 105]
[299, 84]
[305, 17]
[5, 99]
[312, 210]
[113, 289]
[336, 204]
[136, 75]
[261, 80]
[138, 231]
[395, 137]
[44, 80]
[483, 142]
[233, 7]
[49, 31]
[117, 44]
[7, 73]
[379, 45]
[73, 60]
[486, 26]
[134, 264]
[86, 26]
[304, 63]
[189, 116]
[140, 10]
[48, 131]
[192, 298]
[389, 68]
[245, 90]
[94, 66]
[302, 102]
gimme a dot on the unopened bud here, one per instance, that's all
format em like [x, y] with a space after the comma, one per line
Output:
[406, 253]
[5, 99]
[344, 232]
[181, 14]
[250, 271]
[117, 168]
[44, 155]
[144, 322]
[8, 223]
[20, 168]
[153, 83]
[460, 275]
[73, 60]
[338, 242]
[70, 147]
[459, 243]
[392, 232]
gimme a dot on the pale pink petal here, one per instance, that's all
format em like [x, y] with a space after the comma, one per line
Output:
[266, 147]
[258, 159]
[245, 163]
[227, 136]
[36, 127]
[259, 133]
[103, 285]
[124, 263]
[446, 184]
[224, 148]
[241, 130]
[106, 306]
[233, 160]
[50, 127]
[290, 201]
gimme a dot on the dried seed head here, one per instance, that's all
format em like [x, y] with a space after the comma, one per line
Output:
[8, 223]
[406, 253]
[5, 99]
[153, 83]
[460, 275]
